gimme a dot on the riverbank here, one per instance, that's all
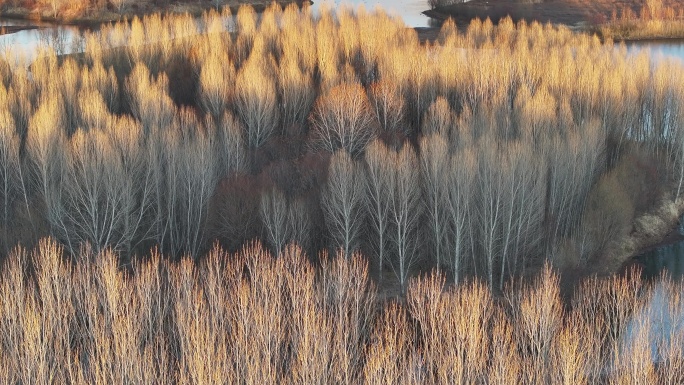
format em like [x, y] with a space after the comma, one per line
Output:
[73, 14]
[656, 229]
[4, 30]
[623, 20]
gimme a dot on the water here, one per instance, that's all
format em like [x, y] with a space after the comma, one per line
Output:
[68, 39]
[409, 10]
[658, 321]
[64, 39]
[668, 258]
[659, 49]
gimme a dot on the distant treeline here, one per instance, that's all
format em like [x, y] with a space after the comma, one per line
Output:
[483, 154]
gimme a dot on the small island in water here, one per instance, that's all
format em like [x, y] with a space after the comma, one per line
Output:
[618, 20]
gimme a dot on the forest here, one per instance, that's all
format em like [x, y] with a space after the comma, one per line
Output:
[191, 184]
[250, 318]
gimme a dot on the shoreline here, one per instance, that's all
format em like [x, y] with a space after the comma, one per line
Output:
[577, 15]
[10, 29]
[104, 16]
[629, 248]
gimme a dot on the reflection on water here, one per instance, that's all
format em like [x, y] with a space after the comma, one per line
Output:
[668, 258]
[659, 322]
[659, 49]
[63, 39]
[68, 39]
[409, 10]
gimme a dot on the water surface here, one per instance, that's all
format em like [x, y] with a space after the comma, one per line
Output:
[409, 10]
[667, 258]
[659, 49]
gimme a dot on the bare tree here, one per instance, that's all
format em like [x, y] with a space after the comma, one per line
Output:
[137, 183]
[342, 119]
[273, 211]
[184, 163]
[573, 164]
[54, 6]
[439, 118]
[461, 178]
[196, 183]
[94, 213]
[216, 85]
[299, 220]
[149, 100]
[285, 220]
[388, 105]
[405, 214]
[523, 195]
[230, 145]
[490, 207]
[45, 146]
[379, 189]
[103, 81]
[342, 202]
[435, 167]
[69, 87]
[297, 93]
[256, 100]
[679, 165]
[92, 111]
[509, 204]
[11, 181]
[120, 4]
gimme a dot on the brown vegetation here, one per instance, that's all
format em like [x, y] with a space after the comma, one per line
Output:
[653, 20]
[93, 12]
[614, 19]
[492, 159]
[250, 318]
[470, 154]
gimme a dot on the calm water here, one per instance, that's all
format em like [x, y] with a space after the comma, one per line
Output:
[66, 39]
[659, 320]
[409, 10]
[669, 258]
[659, 49]
[63, 39]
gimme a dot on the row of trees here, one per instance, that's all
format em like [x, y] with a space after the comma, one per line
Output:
[250, 318]
[342, 132]
[477, 210]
